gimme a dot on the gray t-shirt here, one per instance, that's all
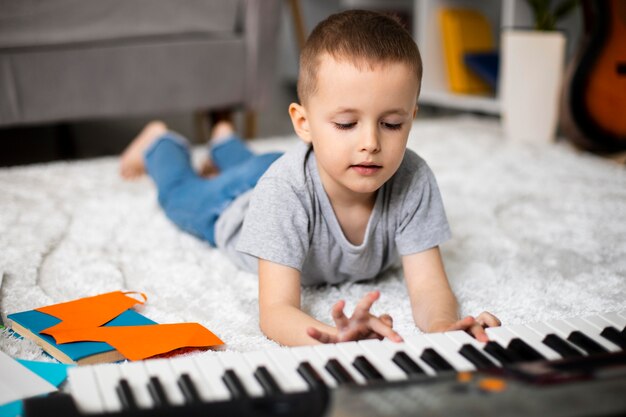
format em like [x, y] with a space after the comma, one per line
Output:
[288, 219]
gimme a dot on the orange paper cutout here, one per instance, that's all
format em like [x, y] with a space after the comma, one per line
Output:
[141, 342]
[89, 312]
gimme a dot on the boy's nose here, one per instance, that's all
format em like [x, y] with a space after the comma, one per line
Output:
[370, 141]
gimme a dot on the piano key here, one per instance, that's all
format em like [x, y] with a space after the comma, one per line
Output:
[212, 370]
[565, 349]
[356, 355]
[330, 351]
[306, 353]
[267, 381]
[504, 356]
[185, 365]
[137, 377]
[339, 372]
[476, 357]
[448, 349]
[365, 367]
[189, 389]
[260, 358]
[84, 389]
[411, 352]
[591, 331]
[577, 338]
[161, 369]
[616, 320]
[157, 392]
[380, 355]
[107, 377]
[311, 376]
[408, 365]
[615, 336]
[461, 338]
[555, 338]
[232, 360]
[436, 361]
[288, 365]
[419, 344]
[535, 340]
[524, 350]
[236, 387]
[126, 395]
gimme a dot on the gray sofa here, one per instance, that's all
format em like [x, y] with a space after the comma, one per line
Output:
[66, 60]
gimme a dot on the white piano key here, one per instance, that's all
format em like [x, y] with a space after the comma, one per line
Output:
[108, 377]
[413, 354]
[460, 338]
[260, 358]
[530, 338]
[598, 321]
[212, 370]
[446, 348]
[589, 330]
[543, 330]
[186, 365]
[616, 319]
[85, 390]
[161, 369]
[535, 340]
[234, 361]
[288, 364]
[137, 377]
[566, 329]
[417, 343]
[381, 357]
[330, 351]
[306, 353]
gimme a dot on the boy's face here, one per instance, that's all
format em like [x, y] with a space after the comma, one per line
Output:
[358, 121]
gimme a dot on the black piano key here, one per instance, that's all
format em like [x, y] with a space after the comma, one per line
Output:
[338, 372]
[506, 357]
[366, 369]
[157, 392]
[586, 343]
[125, 393]
[562, 347]
[476, 357]
[188, 388]
[614, 335]
[234, 385]
[267, 381]
[435, 361]
[407, 364]
[310, 375]
[524, 350]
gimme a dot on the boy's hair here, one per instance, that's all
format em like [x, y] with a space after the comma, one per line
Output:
[360, 37]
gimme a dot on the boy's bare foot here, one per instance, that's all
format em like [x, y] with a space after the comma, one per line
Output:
[221, 130]
[131, 160]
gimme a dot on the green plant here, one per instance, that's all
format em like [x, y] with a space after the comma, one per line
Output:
[546, 17]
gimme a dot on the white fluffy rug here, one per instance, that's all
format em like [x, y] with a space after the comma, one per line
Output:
[539, 233]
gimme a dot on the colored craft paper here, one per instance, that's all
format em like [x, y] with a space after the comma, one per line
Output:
[17, 382]
[141, 342]
[36, 322]
[90, 311]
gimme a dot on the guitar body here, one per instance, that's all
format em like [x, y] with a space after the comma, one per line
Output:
[594, 99]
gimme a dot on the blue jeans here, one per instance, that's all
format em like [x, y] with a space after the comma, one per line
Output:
[192, 202]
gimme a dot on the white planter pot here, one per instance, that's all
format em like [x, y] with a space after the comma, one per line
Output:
[532, 74]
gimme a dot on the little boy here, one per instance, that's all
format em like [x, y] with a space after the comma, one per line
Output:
[345, 205]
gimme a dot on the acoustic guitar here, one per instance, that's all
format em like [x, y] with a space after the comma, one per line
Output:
[593, 110]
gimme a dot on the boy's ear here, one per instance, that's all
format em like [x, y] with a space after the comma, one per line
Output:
[300, 121]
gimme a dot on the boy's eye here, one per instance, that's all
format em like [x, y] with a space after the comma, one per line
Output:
[345, 126]
[392, 126]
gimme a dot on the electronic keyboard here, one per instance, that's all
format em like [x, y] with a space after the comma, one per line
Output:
[583, 357]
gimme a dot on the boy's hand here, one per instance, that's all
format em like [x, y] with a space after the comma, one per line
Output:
[473, 325]
[361, 325]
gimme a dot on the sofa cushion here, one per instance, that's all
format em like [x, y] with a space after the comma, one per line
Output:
[28, 23]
